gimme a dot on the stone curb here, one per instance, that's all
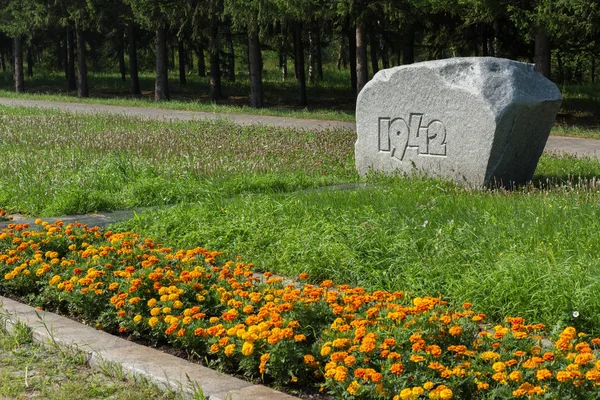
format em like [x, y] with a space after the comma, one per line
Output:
[164, 370]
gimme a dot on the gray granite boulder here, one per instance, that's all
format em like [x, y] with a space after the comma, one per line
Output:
[478, 121]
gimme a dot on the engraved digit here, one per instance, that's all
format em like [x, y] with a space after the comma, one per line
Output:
[418, 136]
[384, 134]
[399, 133]
[436, 132]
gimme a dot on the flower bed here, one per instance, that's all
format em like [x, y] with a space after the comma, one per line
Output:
[349, 342]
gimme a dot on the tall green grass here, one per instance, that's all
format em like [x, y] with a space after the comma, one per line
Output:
[60, 164]
[259, 192]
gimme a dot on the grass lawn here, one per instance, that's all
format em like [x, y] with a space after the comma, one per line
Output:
[254, 192]
[29, 370]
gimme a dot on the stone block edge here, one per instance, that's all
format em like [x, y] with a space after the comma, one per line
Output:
[13, 312]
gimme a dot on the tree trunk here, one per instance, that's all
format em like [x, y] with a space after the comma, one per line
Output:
[255, 58]
[2, 61]
[385, 57]
[189, 58]
[230, 54]
[593, 69]
[71, 80]
[299, 64]
[61, 56]
[170, 58]
[121, 54]
[133, 63]
[283, 54]
[374, 57]
[362, 70]
[18, 72]
[311, 56]
[82, 81]
[342, 61]
[215, 67]
[561, 70]
[352, 57]
[181, 54]
[201, 63]
[29, 62]
[161, 86]
[484, 46]
[319, 54]
[542, 55]
[408, 45]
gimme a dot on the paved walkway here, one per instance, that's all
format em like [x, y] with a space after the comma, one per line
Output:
[576, 146]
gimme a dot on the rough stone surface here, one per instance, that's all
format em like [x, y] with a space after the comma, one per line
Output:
[478, 121]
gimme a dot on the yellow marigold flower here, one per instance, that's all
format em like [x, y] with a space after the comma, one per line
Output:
[563, 376]
[499, 366]
[166, 310]
[155, 311]
[489, 356]
[353, 388]
[229, 350]
[428, 385]
[247, 348]
[177, 304]
[500, 377]
[325, 350]
[416, 358]
[446, 394]
[153, 321]
[406, 394]
[137, 318]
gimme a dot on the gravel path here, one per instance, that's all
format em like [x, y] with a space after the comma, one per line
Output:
[576, 146]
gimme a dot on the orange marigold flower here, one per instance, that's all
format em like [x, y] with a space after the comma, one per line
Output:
[327, 283]
[350, 361]
[455, 330]
[516, 376]
[584, 358]
[548, 356]
[543, 374]
[397, 368]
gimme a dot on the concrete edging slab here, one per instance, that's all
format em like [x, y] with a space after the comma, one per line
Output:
[164, 370]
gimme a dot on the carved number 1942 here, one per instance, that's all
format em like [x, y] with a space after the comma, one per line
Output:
[396, 135]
